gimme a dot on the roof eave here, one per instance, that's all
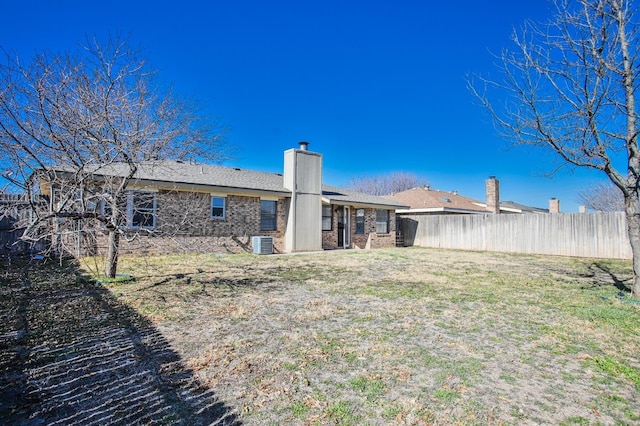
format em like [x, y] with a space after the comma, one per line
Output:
[199, 187]
[441, 210]
[358, 204]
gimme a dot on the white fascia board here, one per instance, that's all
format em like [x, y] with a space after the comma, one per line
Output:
[357, 205]
[439, 210]
[423, 210]
[510, 210]
[505, 209]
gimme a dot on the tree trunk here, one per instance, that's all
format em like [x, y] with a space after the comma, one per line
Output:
[632, 209]
[112, 254]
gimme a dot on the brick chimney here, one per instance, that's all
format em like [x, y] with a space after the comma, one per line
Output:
[554, 205]
[493, 194]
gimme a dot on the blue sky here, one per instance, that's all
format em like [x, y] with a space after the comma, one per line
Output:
[375, 86]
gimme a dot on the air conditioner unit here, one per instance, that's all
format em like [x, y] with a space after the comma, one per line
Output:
[262, 245]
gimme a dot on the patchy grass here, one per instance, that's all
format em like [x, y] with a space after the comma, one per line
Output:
[613, 368]
[371, 388]
[118, 279]
[399, 336]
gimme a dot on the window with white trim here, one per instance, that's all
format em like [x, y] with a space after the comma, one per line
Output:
[218, 207]
[67, 200]
[141, 210]
[382, 221]
[105, 206]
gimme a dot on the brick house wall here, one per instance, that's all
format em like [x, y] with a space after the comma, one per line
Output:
[330, 238]
[369, 239]
[184, 225]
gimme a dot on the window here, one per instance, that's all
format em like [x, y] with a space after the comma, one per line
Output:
[141, 210]
[67, 200]
[137, 209]
[382, 221]
[327, 217]
[359, 221]
[105, 206]
[218, 208]
[267, 215]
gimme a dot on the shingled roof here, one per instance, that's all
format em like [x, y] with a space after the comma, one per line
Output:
[182, 175]
[429, 200]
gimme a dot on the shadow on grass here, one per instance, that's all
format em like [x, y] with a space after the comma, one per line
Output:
[71, 354]
[232, 285]
[600, 269]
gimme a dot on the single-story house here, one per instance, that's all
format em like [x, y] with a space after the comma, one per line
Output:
[188, 207]
[424, 200]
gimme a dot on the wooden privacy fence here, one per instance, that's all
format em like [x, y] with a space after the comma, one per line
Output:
[600, 235]
[15, 211]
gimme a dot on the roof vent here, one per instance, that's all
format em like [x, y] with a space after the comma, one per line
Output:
[304, 146]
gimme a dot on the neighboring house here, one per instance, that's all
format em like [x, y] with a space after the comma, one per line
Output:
[517, 208]
[186, 207]
[429, 201]
[425, 200]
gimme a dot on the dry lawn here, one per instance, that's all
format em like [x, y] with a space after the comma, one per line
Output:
[394, 336]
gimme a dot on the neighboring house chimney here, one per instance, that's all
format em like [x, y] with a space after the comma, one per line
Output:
[303, 177]
[493, 194]
[554, 205]
[582, 209]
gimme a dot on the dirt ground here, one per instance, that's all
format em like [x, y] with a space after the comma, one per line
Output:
[394, 336]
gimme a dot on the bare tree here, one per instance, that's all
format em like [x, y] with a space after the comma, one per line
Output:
[570, 87]
[386, 184]
[66, 118]
[603, 197]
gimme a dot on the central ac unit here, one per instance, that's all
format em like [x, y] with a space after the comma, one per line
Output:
[262, 245]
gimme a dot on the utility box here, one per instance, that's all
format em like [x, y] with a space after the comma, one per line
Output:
[262, 245]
